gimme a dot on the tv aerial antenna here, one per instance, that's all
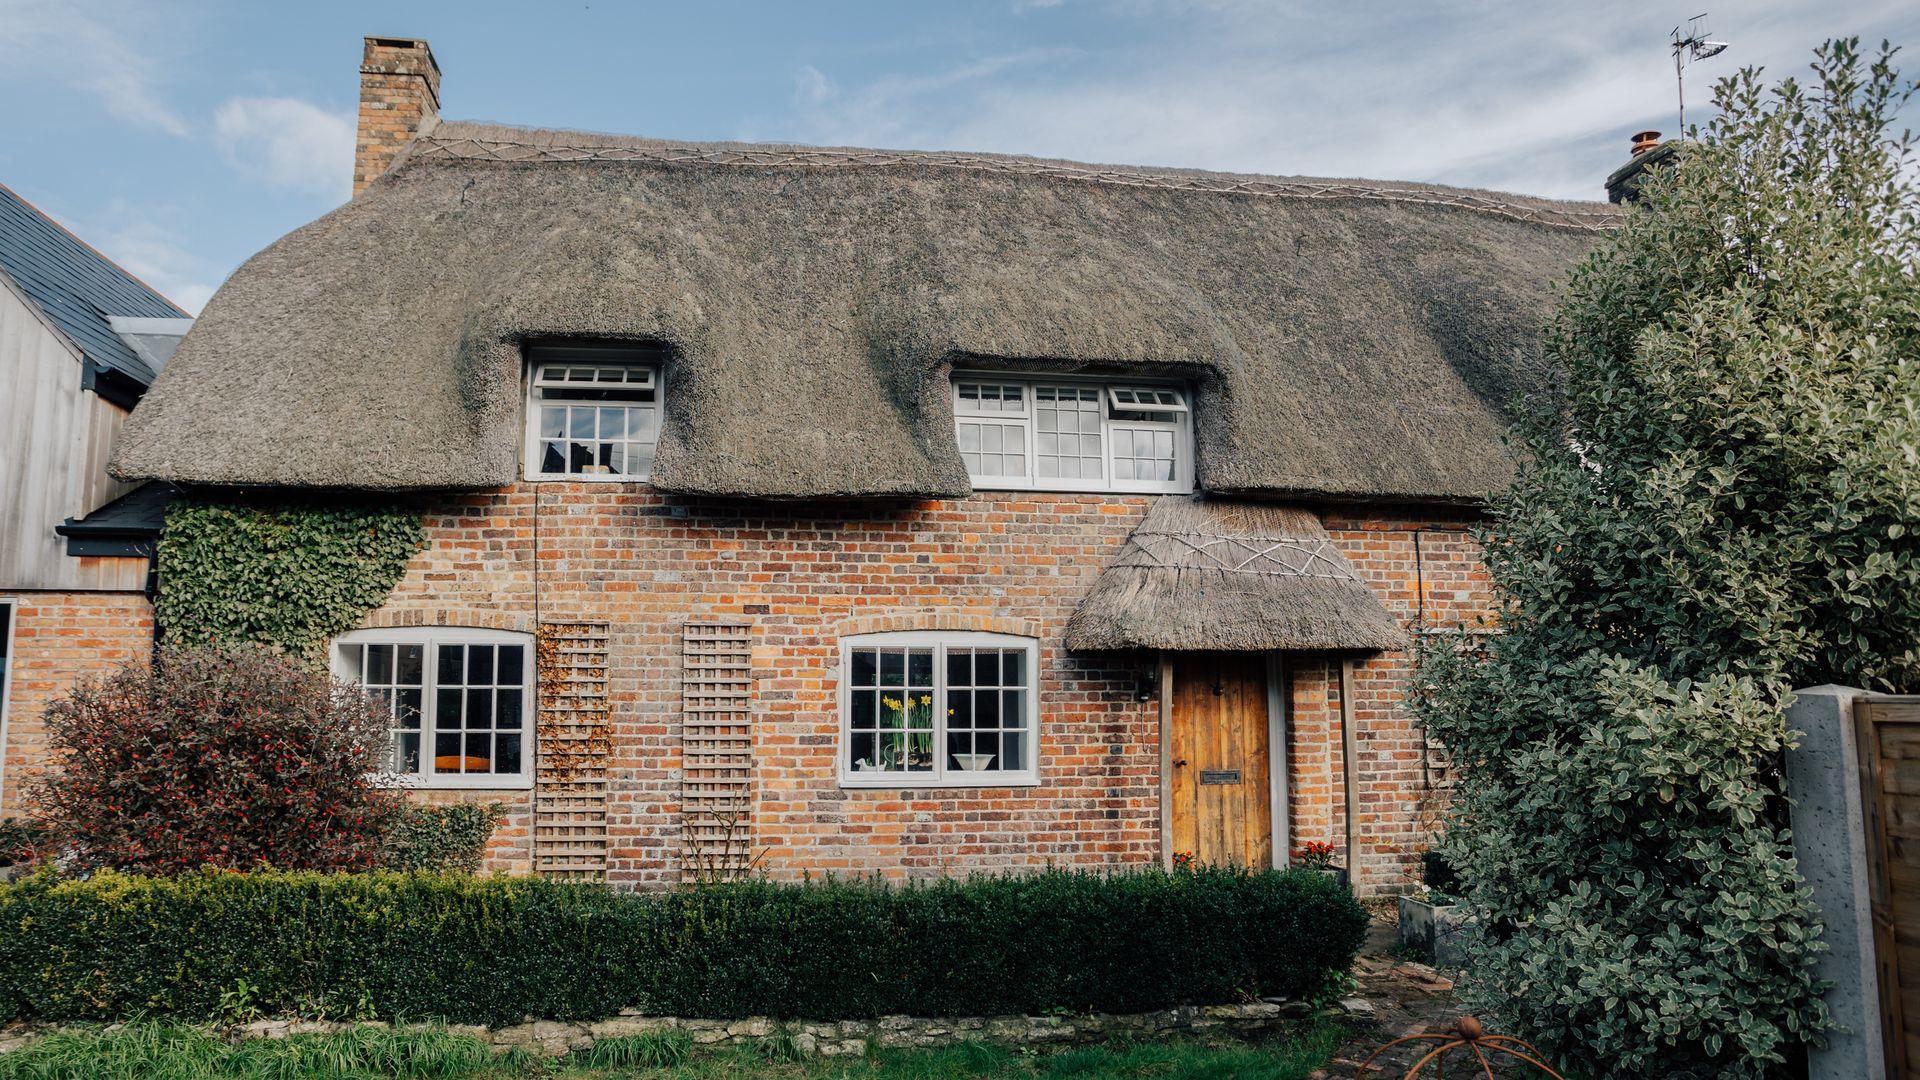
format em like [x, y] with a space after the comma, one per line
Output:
[1692, 45]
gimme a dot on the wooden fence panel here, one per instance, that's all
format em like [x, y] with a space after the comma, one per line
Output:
[1888, 730]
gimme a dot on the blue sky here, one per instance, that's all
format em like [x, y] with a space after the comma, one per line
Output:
[181, 137]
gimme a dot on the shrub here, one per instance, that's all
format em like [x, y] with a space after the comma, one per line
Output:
[1719, 506]
[24, 840]
[495, 949]
[440, 838]
[233, 758]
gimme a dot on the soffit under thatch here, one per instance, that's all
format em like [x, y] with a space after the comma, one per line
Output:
[1344, 338]
[1201, 573]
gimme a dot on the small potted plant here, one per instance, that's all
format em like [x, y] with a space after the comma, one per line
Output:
[1430, 920]
[1317, 856]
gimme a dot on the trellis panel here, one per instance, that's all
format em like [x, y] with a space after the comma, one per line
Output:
[570, 781]
[716, 796]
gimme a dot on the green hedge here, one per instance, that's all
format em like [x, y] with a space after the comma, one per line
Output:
[494, 950]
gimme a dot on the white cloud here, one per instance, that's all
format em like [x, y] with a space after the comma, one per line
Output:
[94, 48]
[152, 252]
[1532, 98]
[291, 143]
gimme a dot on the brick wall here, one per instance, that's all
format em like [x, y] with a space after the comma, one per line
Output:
[58, 640]
[803, 576]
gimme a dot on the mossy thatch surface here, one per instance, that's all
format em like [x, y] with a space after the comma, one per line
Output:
[1344, 338]
[1205, 574]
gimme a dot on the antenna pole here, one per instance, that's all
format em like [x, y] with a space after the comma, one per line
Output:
[1680, 85]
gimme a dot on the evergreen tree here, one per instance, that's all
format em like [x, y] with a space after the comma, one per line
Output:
[1719, 503]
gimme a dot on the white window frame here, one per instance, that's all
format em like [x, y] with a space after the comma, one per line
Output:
[542, 359]
[939, 776]
[1112, 396]
[430, 638]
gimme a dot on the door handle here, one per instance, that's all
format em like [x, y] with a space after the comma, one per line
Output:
[1180, 762]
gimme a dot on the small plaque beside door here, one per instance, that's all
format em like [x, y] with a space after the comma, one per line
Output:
[1219, 776]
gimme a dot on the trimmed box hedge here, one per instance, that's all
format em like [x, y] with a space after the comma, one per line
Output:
[494, 950]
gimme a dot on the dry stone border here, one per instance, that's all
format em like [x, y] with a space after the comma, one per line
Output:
[842, 1038]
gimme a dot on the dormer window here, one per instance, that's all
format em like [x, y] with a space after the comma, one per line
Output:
[592, 413]
[1073, 435]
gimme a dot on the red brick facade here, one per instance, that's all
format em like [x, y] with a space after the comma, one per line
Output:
[58, 640]
[804, 576]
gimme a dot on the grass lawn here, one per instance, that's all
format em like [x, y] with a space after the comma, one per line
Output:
[159, 1052]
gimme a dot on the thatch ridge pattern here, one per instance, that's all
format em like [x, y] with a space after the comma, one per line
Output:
[472, 149]
[1202, 573]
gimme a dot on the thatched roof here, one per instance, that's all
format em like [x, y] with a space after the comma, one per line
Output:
[1345, 338]
[1201, 573]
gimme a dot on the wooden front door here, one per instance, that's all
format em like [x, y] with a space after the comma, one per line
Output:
[1222, 797]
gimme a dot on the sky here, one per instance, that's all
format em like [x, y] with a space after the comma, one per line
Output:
[182, 136]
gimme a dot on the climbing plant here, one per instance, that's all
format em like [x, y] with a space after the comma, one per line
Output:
[289, 575]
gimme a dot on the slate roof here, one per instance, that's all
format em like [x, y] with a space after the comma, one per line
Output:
[76, 286]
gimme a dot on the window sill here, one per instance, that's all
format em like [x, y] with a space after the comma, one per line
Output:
[455, 783]
[1164, 489]
[858, 782]
[587, 478]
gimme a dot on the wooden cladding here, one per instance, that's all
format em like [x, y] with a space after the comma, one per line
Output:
[1221, 802]
[716, 793]
[1888, 733]
[570, 778]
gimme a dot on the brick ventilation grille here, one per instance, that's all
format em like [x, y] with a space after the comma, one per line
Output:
[505, 151]
[570, 781]
[716, 793]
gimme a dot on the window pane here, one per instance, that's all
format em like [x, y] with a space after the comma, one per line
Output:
[508, 714]
[506, 757]
[580, 423]
[920, 668]
[513, 664]
[479, 664]
[860, 749]
[446, 751]
[450, 668]
[553, 421]
[1014, 667]
[554, 459]
[446, 705]
[863, 715]
[987, 668]
[479, 708]
[893, 664]
[409, 672]
[406, 752]
[986, 710]
[959, 709]
[379, 665]
[479, 752]
[406, 708]
[1012, 708]
[1013, 751]
[866, 667]
[959, 667]
[613, 423]
[353, 658]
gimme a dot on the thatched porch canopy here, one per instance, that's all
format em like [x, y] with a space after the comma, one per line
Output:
[1205, 574]
[1343, 338]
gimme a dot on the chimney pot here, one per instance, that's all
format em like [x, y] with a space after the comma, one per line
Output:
[1645, 141]
[399, 97]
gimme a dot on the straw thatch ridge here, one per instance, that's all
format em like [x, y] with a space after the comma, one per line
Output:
[1201, 573]
[1359, 342]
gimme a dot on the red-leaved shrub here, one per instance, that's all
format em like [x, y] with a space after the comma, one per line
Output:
[236, 758]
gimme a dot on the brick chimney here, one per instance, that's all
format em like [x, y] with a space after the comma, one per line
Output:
[399, 94]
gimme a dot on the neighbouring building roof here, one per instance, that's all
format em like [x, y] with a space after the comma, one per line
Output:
[1202, 573]
[126, 527]
[81, 290]
[1344, 338]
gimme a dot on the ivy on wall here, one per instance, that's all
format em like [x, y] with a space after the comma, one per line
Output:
[290, 575]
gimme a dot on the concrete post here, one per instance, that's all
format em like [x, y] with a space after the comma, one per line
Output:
[1830, 843]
